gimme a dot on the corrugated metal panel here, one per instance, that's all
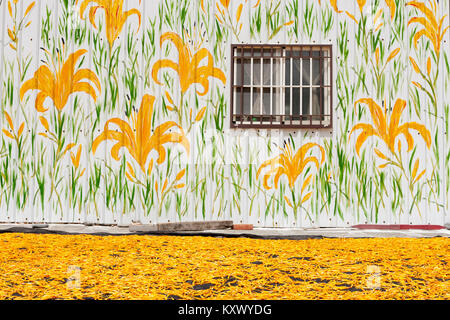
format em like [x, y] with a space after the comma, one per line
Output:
[59, 163]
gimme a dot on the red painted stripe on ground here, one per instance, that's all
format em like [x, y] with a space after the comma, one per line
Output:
[398, 227]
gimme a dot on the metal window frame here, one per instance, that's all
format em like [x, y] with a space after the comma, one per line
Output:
[270, 121]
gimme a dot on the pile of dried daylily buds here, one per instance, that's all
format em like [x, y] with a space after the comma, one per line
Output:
[162, 267]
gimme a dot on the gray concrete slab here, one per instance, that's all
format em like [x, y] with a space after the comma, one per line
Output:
[143, 228]
[263, 233]
[182, 226]
[194, 226]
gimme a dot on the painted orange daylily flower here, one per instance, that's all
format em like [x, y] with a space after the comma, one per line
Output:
[18, 23]
[115, 16]
[290, 164]
[334, 5]
[60, 83]
[432, 27]
[224, 15]
[392, 7]
[362, 3]
[13, 135]
[188, 67]
[388, 130]
[226, 4]
[76, 157]
[138, 137]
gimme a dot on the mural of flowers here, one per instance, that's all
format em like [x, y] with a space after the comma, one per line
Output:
[274, 20]
[392, 7]
[434, 30]
[389, 129]
[75, 158]
[361, 4]
[115, 16]
[292, 165]
[189, 68]
[333, 3]
[11, 133]
[379, 68]
[58, 80]
[225, 17]
[18, 136]
[432, 25]
[390, 3]
[139, 138]
[76, 172]
[60, 83]
[135, 166]
[368, 27]
[19, 23]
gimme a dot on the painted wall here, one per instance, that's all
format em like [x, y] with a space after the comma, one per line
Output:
[118, 111]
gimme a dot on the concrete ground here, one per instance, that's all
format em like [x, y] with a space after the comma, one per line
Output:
[262, 233]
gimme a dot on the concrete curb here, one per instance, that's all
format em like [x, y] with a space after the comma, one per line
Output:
[161, 233]
[258, 233]
[182, 226]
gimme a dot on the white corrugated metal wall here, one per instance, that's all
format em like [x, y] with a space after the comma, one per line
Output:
[49, 170]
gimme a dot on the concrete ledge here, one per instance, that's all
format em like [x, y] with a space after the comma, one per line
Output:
[183, 226]
[398, 227]
[257, 233]
[195, 226]
[143, 228]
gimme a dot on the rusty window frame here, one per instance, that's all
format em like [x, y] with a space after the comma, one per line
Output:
[241, 52]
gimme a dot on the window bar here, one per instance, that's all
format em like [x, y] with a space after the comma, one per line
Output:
[330, 93]
[251, 83]
[261, 82]
[271, 85]
[282, 81]
[282, 85]
[321, 87]
[242, 86]
[300, 111]
[232, 86]
[310, 84]
[282, 98]
[291, 71]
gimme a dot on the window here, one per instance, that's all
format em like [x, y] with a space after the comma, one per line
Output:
[281, 86]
